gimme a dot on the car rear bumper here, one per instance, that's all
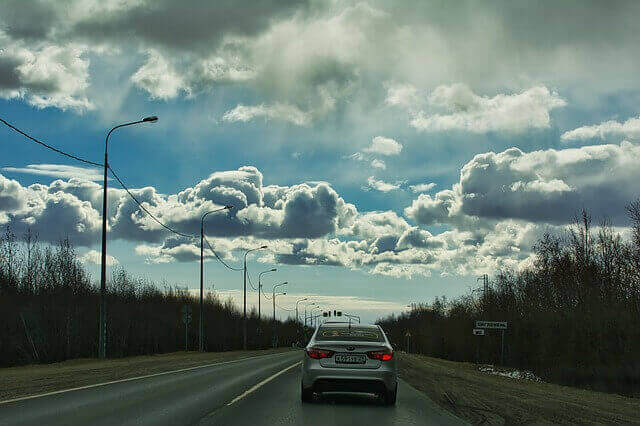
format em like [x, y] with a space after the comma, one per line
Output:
[323, 379]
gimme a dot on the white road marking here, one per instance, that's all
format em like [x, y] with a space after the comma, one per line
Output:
[262, 383]
[137, 378]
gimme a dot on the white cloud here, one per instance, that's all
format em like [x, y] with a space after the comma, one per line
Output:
[378, 164]
[95, 257]
[277, 111]
[403, 95]
[629, 129]
[158, 77]
[422, 187]
[45, 76]
[60, 171]
[546, 186]
[163, 79]
[368, 309]
[470, 112]
[380, 185]
[383, 146]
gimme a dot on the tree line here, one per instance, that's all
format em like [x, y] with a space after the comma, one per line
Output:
[49, 311]
[573, 316]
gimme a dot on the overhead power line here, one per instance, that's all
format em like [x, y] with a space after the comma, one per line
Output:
[66, 154]
[284, 309]
[145, 209]
[219, 258]
[133, 197]
[249, 279]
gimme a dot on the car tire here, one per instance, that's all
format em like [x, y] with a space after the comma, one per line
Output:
[389, 397]
[306, 395]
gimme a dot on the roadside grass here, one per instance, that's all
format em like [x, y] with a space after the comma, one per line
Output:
[16, 382]
[489, 399]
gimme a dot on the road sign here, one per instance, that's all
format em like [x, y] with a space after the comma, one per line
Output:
[478, 331]
[186, 314]
[492, 324]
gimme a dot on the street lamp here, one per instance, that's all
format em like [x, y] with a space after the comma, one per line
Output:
[244, 315]
[102, 334]
[202, 268]
[260, 288]
[311, 313]
[305, 311]
[298, 301]
[273, 297]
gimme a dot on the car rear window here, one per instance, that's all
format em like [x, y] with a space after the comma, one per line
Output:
[358, 334]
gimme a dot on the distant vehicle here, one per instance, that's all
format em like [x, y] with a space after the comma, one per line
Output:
[343, 357]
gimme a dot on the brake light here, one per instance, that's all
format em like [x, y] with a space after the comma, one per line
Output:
[316, 353]
[380, 355]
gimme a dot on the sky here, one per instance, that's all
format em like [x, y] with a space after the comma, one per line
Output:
[385, 152]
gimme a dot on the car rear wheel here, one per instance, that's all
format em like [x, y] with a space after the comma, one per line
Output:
[306, 395]
[389, 397]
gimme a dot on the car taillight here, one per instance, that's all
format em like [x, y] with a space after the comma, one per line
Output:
[380, 355]
[316, 353]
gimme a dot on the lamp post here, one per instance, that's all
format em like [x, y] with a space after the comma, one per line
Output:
[260, 288]
[311, 313]
[244, 315]
[202, 270]
[273, 297]
[305, 311]
[298, 301]
[102, 334]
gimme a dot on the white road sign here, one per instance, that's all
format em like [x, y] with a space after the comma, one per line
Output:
[478, 331]
[491, 324]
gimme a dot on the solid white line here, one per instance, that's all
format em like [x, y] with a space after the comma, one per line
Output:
[137, 378]
[262, 383]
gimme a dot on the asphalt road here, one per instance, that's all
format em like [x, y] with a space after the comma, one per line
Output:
[257, 391]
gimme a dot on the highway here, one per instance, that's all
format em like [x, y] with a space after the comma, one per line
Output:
[262, 390]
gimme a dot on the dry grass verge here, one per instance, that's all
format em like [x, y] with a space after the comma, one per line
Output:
[487, 399]
[28, 380]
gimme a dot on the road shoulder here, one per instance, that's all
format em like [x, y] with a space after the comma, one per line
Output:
[482, 398]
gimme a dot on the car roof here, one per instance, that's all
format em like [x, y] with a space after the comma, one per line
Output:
[346, 324]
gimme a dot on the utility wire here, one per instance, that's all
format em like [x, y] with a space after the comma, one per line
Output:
[219, 258]
[249, 279]
[145, 209]
[11, 126]
[284, 309]
[66, 154]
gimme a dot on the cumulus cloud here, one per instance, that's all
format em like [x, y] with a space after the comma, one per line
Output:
[317, 55]
[45, 76]
[95, 257]
[380, 185]
[60, 171]
[158, 77]
[383, 146]
[422, 187]
[404, 95]
[467, 111]
[277, 111]
[545, 186]
[378, 164]
[309, 210]
[629, 129]
[163, 79]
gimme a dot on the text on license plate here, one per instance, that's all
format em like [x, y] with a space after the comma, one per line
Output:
[350, 359]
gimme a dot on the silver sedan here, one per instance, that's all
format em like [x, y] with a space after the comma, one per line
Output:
[345, 357]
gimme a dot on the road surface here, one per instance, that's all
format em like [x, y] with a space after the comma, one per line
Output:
[262, 390]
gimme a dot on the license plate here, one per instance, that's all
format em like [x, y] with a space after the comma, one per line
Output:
[350, 359]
